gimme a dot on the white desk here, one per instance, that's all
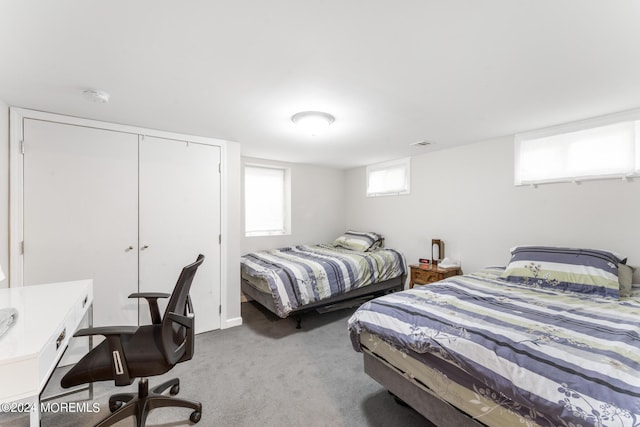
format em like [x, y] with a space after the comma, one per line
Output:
[48, 316]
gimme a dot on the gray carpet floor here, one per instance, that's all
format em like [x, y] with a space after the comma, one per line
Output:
[263, 373]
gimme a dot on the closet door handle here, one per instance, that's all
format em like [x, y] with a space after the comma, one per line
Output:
[130, 248]
[145, 247]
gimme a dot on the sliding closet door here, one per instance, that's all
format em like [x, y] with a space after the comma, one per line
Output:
[80, 213]
[179, 219]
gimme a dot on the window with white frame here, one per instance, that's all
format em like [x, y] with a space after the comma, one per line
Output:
[389, 178]
[605, 147]
[267, 200]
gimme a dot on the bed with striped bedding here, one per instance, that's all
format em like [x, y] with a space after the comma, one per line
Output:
[510, 353]
[288, 280]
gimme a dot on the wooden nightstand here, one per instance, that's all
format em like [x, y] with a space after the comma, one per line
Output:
[423, 274]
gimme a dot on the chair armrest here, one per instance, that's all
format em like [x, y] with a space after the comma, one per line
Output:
[149, 295]
[106, 331]
[152, 299]
[113, 335]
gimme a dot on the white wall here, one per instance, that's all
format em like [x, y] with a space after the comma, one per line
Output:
[317, 207]
[466, 197]
[4, 191]
[231, 315]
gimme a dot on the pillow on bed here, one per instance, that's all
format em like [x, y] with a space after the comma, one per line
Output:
[625, 277]
[359, 241]
[586, 271]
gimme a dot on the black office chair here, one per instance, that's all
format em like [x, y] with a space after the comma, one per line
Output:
[131, 352]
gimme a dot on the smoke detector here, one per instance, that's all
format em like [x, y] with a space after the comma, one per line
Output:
[422, 143]
[98, 96]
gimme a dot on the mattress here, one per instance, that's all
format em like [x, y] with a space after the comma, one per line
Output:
[548, 357]
[260, 283]
[302, 275]
[453, 386]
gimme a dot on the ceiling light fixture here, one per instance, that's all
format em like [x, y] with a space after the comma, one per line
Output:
[313, 122]
[98, 96]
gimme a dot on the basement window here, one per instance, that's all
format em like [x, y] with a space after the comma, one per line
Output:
[606, 147]
[267, 200]
[389, 178]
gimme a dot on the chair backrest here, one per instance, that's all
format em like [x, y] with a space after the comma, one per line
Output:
[178, 320]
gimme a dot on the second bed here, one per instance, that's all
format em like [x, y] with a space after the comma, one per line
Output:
[294, 279]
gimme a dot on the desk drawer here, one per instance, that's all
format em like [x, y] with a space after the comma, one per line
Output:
[82, 306]
[53, 349]
[79, 346]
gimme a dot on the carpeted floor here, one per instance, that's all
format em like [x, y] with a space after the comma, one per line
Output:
[263, 373]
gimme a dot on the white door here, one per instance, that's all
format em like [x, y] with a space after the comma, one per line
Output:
[179, 219]
[80, 213]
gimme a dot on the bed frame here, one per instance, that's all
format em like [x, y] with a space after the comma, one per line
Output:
[354, 297]
[413, 393]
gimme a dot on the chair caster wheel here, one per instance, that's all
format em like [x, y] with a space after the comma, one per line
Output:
[195, 416]
[114, 406]
[174, 390]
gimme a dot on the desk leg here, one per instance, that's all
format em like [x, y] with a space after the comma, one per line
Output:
[34, 416]
[91, 346]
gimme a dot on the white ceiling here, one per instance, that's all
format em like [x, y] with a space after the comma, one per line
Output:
[391, 72]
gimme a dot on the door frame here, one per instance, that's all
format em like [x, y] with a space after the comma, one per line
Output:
[16, 189]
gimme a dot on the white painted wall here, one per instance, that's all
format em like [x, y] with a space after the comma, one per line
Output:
[4, 191]
[231, 315]
[466, 197]
[317, 207]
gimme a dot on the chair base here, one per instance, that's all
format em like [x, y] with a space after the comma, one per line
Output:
[124, 405]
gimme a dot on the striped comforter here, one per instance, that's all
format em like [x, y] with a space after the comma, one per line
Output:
[556, 359]
[306, 274]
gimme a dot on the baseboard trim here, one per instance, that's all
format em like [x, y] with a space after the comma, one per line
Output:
[230, 323]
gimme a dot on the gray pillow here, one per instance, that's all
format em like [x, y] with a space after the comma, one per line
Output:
[625, 278]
